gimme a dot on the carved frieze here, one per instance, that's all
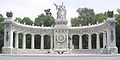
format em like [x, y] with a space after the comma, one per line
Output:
[31, 30]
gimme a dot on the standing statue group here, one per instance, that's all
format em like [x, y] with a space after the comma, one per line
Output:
[61, 13]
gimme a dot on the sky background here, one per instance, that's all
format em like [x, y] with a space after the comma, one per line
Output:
[33, 8]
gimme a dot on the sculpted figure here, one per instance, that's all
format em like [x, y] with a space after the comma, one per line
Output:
[61, 13]
[9, 14]
[110, 14]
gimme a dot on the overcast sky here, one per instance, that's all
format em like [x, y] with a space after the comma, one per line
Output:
[33, 8]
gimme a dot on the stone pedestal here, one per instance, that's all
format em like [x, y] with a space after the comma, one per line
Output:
[112, 50]
[7, 50]
[8, 36]
[111, 36]
[60, 38]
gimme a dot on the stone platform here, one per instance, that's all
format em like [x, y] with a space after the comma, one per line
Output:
[59, 57]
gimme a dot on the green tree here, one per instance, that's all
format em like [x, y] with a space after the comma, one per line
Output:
[1, 32]
[18, 19]
[100, 17]
[117, 16]
[25, 20]
[75, 21]
[46, 20]
[39, 20]
[86, 15]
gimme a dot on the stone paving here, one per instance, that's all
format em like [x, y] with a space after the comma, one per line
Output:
[59, 57]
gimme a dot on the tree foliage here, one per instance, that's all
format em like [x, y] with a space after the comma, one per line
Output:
[75, 21]
[1, 32]
[39, 20]
[18, 19]
[25, 20]
[46, 20]
[117, 16]
[100, 17]
[87, 15]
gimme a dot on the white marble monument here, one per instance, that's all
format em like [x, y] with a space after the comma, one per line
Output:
[61, 36]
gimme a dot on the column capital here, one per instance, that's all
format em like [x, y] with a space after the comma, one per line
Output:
[89, 34]
[17, 32]
[71, 34]
[51, 34]
[24, 33]
[42, 34]
[80, 34]
[32, 34]
[104, 31]
[97, 33]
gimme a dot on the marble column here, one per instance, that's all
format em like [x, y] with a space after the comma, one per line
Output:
[16, 40]
[32, 41]
[51, 41]
[89, 41]
[98, 41]
[24, 41]
[5, 37]
[113, 38]
[80, 41]
[71, 46]
[108, 38]
[11, 38]
[42, 41]
[104, 40]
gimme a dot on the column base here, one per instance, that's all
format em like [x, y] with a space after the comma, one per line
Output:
[52, 52]
[68, 52]
[8, 50]
[112, 50]
[61, 51]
